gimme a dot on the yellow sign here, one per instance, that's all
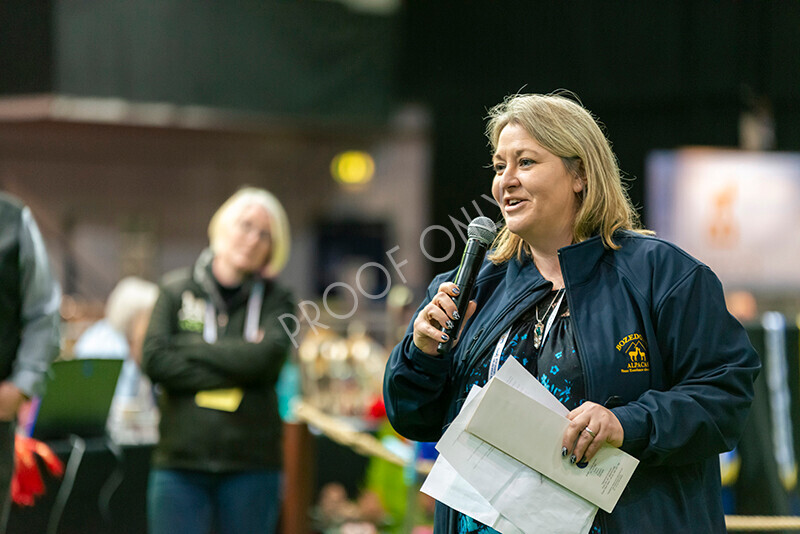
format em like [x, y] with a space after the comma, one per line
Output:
[225, 400]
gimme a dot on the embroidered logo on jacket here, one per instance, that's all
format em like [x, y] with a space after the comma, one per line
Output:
[191, 314]
[634, 350]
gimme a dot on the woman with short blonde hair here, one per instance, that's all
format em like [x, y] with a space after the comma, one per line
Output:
[215, 347]
[280, 240]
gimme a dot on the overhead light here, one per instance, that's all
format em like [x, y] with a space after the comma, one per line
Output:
[352, 168]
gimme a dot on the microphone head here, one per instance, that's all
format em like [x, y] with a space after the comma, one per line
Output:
[483, 229]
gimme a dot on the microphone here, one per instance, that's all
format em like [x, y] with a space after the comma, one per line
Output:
[480, 232]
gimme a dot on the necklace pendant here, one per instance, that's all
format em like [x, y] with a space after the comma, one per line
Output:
[537, 335]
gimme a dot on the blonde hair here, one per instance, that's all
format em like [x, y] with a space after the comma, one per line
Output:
[568, 130]
[280, 240]
[130, 297]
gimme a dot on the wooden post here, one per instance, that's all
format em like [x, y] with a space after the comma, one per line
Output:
[298, 473]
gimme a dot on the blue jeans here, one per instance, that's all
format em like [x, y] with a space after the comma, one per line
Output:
[192, 502]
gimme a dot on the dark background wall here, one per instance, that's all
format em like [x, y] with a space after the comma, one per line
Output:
[26, 46]
[305, 60]
[657, 74]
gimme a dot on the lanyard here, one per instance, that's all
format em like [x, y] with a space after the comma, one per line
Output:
[501, 343]
[251, 320]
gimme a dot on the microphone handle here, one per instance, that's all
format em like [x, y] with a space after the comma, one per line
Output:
[471, 263]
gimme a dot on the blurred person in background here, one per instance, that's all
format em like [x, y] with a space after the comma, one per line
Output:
[214, 349]
[120, 334]
[627, 331]
[29, 324]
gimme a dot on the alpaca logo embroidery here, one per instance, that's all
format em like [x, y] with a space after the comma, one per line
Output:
[635, 351]
[190, 316]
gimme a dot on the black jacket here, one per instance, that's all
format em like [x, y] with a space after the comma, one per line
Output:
[181, 363]
[657, 346]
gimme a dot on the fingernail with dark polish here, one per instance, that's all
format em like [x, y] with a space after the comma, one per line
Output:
[445, 337]
[572, 459]
[563, 451]
[456, 316]
[456, 291]
[449, 324]
[583, 463]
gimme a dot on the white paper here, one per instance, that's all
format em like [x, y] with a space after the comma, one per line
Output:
[519, 495]
[515, 375]
[445, 485]
[523, 428]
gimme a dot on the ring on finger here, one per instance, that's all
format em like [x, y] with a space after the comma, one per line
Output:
[590, 432]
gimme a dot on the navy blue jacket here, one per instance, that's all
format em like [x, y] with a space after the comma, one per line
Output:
[658, 348]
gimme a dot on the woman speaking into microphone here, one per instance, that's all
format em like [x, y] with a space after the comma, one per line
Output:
[628, 331]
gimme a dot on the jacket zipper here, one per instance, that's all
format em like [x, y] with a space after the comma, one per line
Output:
[471, 345]
[471, 352]
[578, 340]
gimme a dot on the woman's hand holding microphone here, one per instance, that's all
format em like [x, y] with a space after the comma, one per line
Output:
[438, 315]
